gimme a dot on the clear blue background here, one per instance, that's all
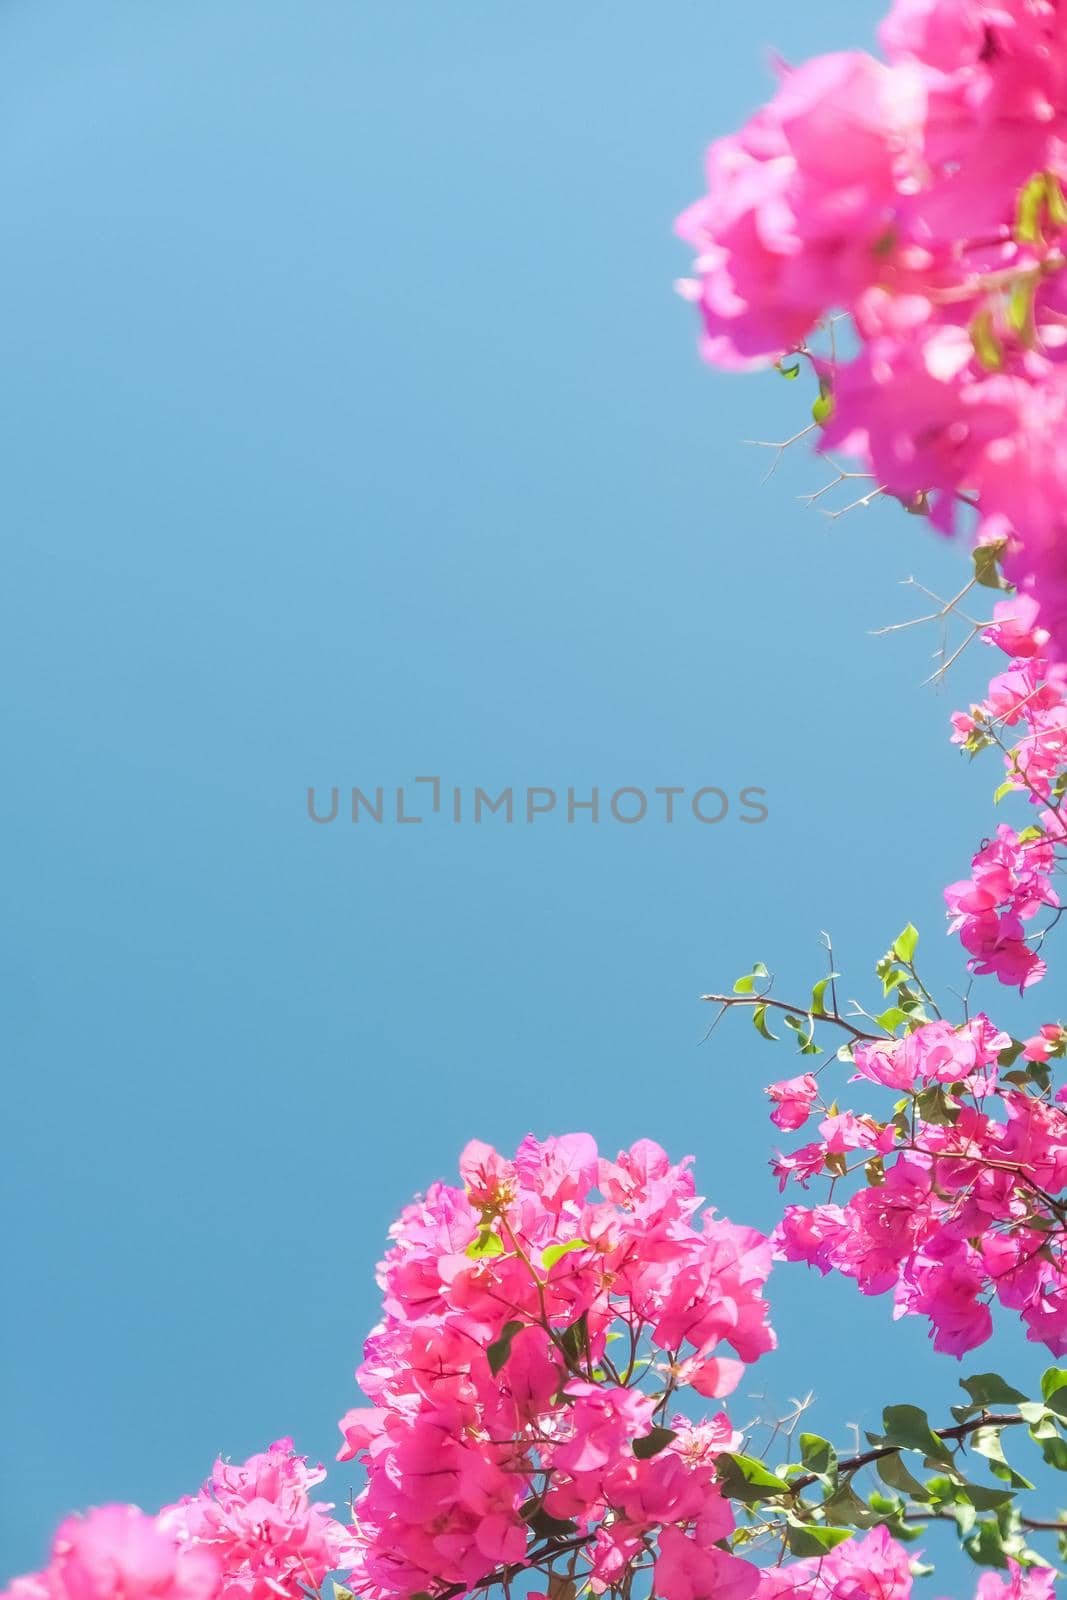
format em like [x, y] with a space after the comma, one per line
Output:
[352, 431]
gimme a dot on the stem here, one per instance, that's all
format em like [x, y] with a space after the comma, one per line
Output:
[728, 1000]
[505, 1574]
[950, 1435]
[1033, 1524]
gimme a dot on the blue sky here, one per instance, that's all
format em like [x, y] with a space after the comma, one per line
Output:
[352, 432]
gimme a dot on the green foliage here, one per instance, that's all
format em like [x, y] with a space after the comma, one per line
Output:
[813, 1538]
[759, 1022]
[555, 1252]
[986, 559]
[747, 984]
[500, 1349]
[908, 1428]
[652, 1443]
[748, 1480]
[823, 407]
[818, 1003]
[486, 1242]
[819, 1457]
[984, 338]
[574, 1341]
[989, 1389]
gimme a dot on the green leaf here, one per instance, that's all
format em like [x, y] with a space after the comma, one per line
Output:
[1021, 308]
[965, 1516]
[989, 1389]
[555, 1252]
[823, 408]
[987, 345]
[1057, 1400]
[575, 1339]
[891, 975]
[787, 372]
[934, 1105]
[500, 1349]
[818, 1003]
[759, 1022]
[341, 1593]
[1054, 1450]
[987, 1443]
[820, 1457]
[744, 1478]
[1054, 200]
[846, 1507]
[986, 558]
[1051, 1381]
[895, 1474]
[652, 1443]
[983, 1498]
[905, 943]
[1028, 209]
[813, 1538]
[543, 1524]
[805, 1032]
[485, 1243]
[986, 1545]
[874, 1171]
[747, 984]
[909, 1428]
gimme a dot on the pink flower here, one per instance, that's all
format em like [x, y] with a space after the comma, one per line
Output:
[270, 1539]
[793, 1099]
[1046, 1043]
[489, 1377]
[1031, 1583]
[685, 1570]
[1015, 628]
[119, 1553]
[799, 203]
[871, 1566]
[1009, 884]
[922, 199]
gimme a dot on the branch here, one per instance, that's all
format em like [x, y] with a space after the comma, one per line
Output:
[1032, 1524]
[554, 1548]
[504, 1575]
[955, 1434]
[728, 1000]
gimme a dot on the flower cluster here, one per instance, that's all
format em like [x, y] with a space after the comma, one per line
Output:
[252, 1533]
[120, 1553]
[538, 1322]
[876, 1567]
[1025, 715]
[959, 1200]
[1009, 884]
[921, 197]
[269, 1537]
